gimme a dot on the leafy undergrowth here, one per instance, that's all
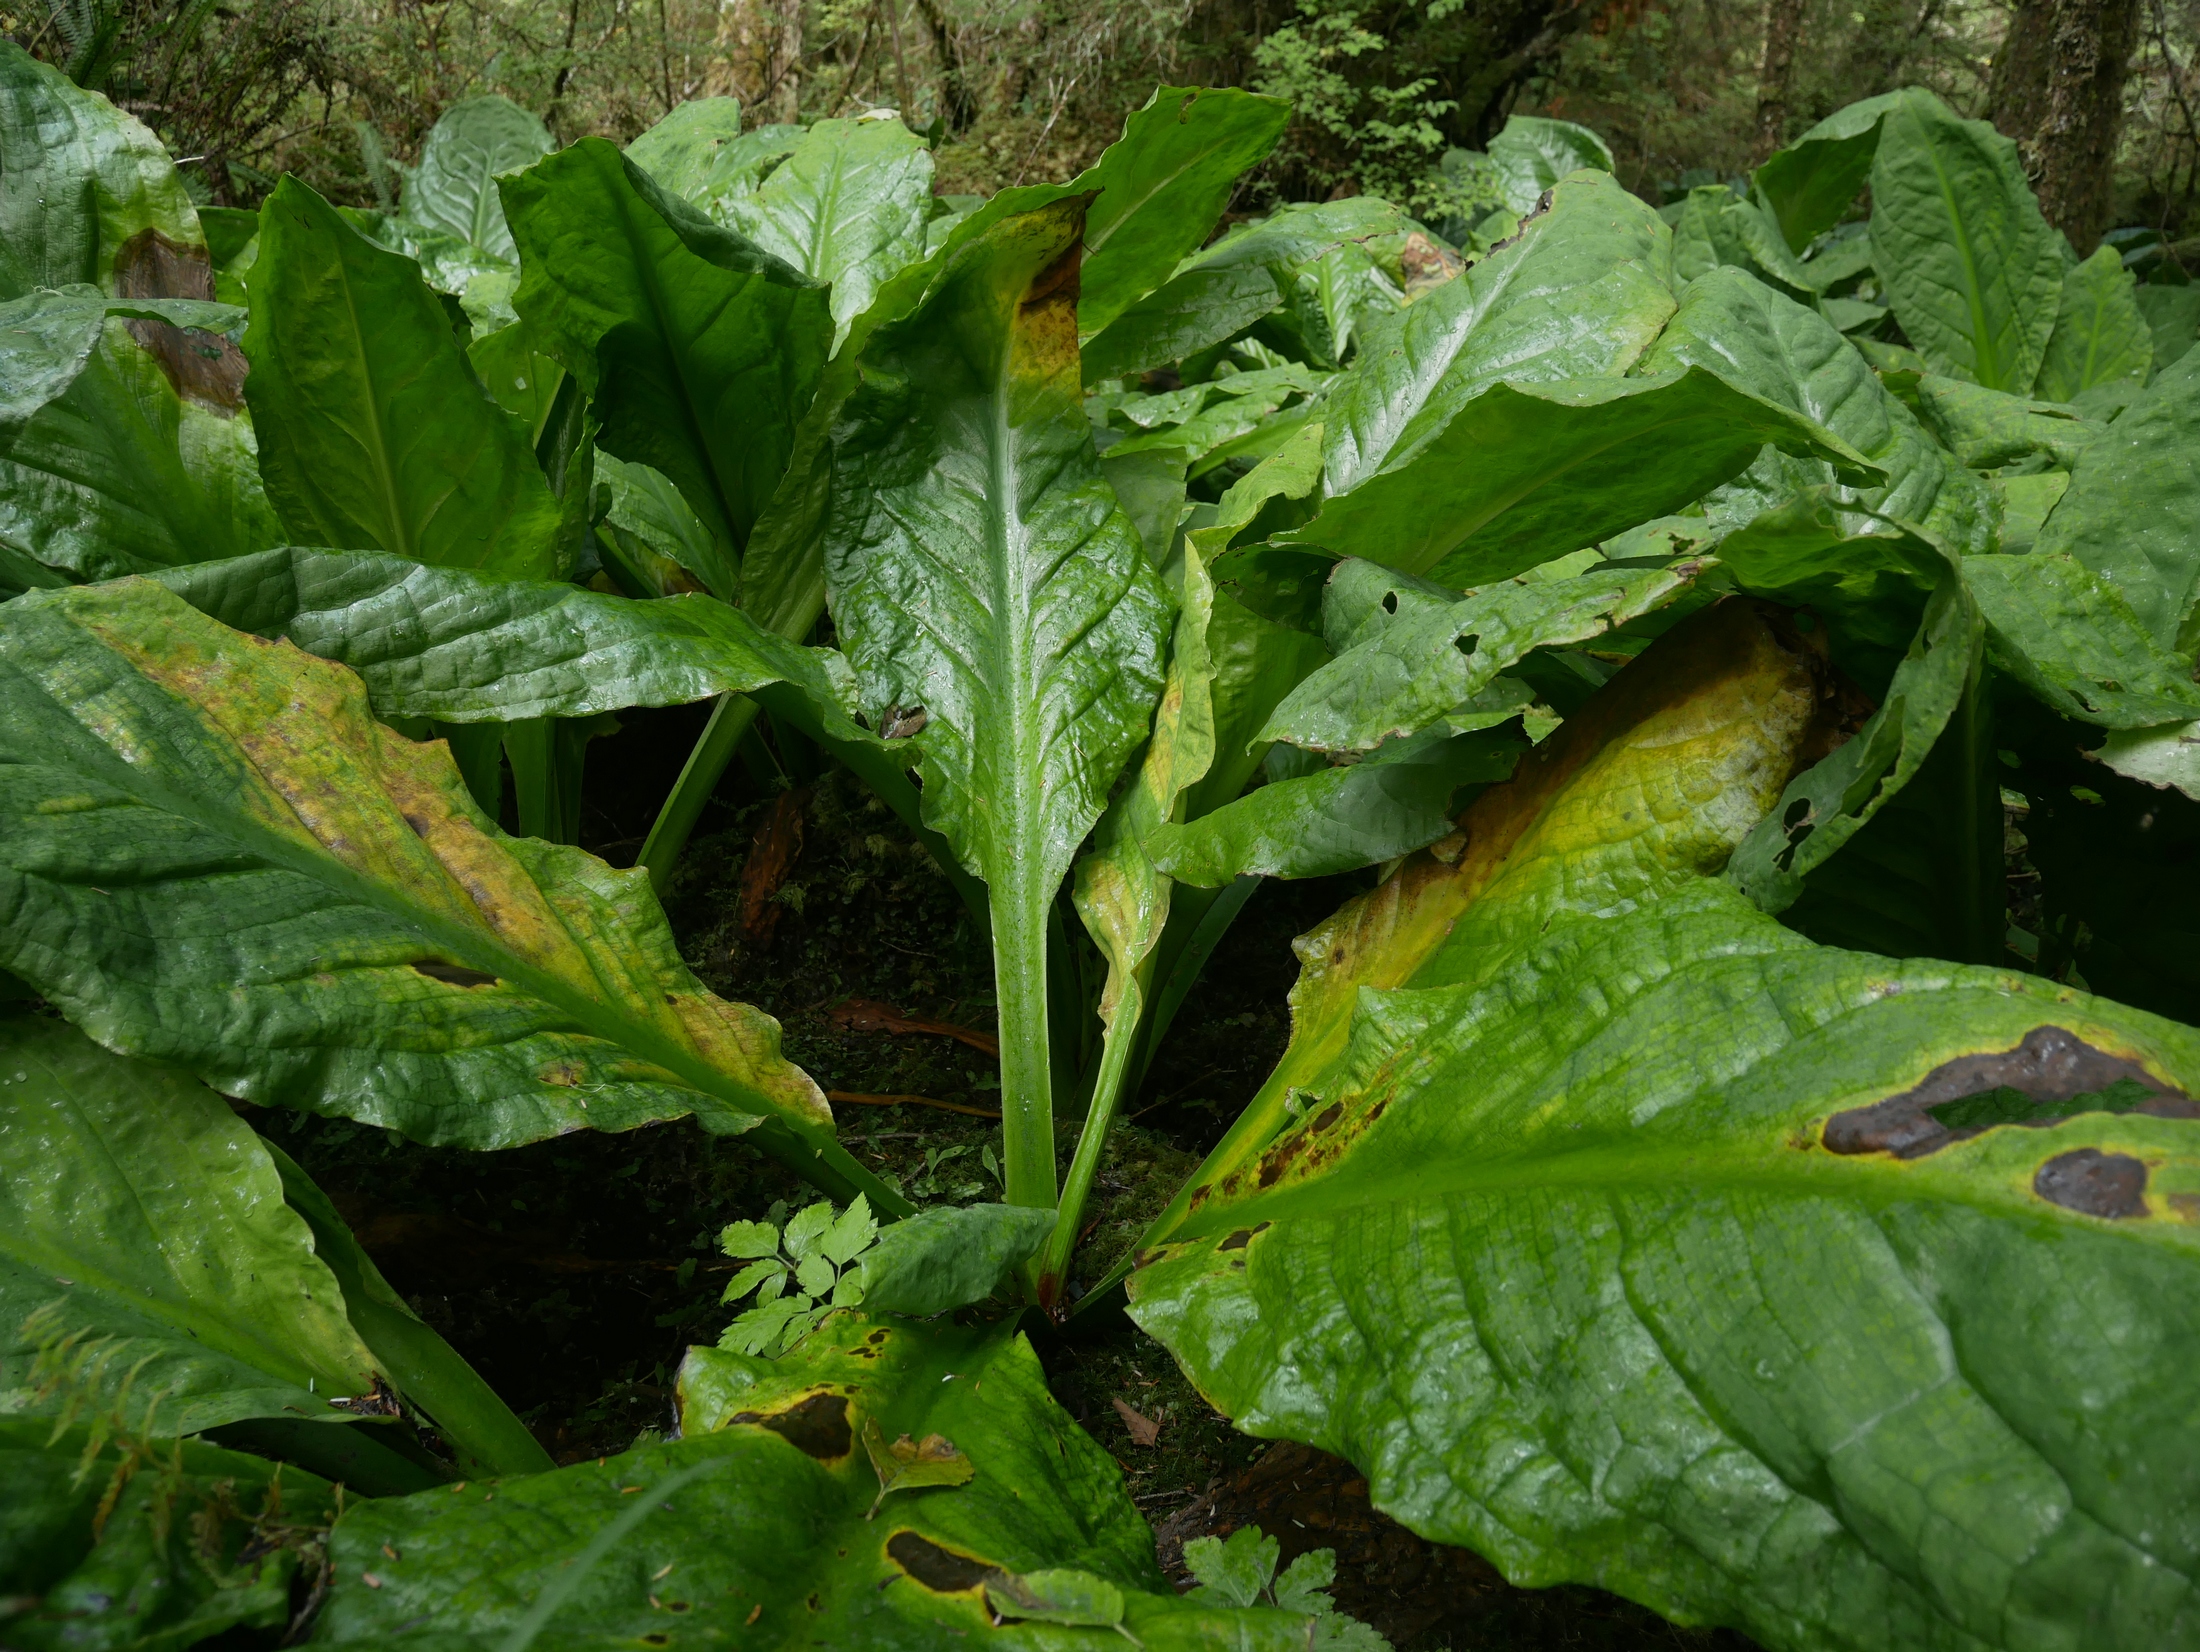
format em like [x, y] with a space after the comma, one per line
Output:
[574, 1273]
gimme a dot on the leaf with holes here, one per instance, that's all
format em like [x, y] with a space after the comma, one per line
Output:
[766, 1524]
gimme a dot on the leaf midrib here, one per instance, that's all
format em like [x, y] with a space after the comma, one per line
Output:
[461, 944]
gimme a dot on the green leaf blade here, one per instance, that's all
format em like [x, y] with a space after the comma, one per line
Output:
[702, 351]
[405, 963]
[378, 436]
[1972, 269]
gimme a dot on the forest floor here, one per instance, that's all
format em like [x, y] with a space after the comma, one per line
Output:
[574, 1273]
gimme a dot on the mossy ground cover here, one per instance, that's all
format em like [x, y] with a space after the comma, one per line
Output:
[573, 1273]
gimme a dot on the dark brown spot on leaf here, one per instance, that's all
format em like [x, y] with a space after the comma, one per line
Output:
[1243, 1237]
[2052, 1067]
[2094, 1183]
[942, 1571]
[1329, 1115]
[456, 974]
[816, 1425]
[203, 367]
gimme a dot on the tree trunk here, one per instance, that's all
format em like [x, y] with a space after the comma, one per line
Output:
[1776, 75]
[2058, 90]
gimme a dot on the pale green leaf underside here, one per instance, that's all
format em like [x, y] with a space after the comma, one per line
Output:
[1591, 1296]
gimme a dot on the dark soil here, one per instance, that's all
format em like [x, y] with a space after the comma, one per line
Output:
[574, 1273]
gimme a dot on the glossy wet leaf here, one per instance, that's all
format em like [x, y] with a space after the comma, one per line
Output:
[1400, 797]
[84, 180]
[847, 207]
[454, 190]
[1787, 353]
[105, 468]
[1650, 784]
[2133, 497]
[1162, 186]
[2099, 335]
[375, 433]
[1581, 292]
[1810, 185]
[199, 1540]
[981, 569]
[700, 349]
[1973, 271]
[404, 962]
[144, 1223]
[1416, 655]
[1229, 286]
[1639, 1261]
[1531, 471]
[651, 524]
[1533, 152]
[768, 1544]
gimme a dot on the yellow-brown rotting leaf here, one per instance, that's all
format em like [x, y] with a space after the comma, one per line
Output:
[1654, 781]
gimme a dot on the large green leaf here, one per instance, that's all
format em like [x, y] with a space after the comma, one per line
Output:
[1162, 186]
[1234, 283]
[454, 188]
[1648, 786]
[84, 181]
[1973, 271]
[1658, 1258]
[981, 570]
[198, 1541]
[1418, 654]
[144, 1223]
[105, 466]
[2068, 636]
[701, 350]
[1717, 227]
[2133, 499]
[2173, 316]
[316, 913]
[1533, 152]
[1400, 797]
[377, 434]
[1580, 292]
[687, 149]
[848, 207]
[1788, 353]
[768, 1524]
[1529, 471]
[1987, 429]
[460, 647]
[2099, 336]
[1809, 186]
